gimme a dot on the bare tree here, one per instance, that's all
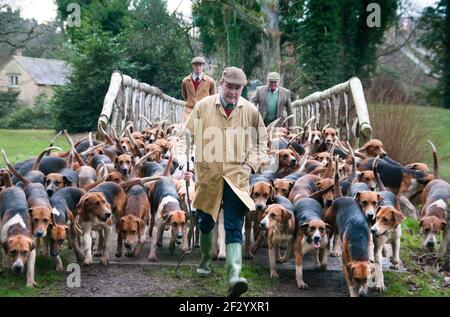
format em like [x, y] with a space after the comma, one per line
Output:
[13, 31]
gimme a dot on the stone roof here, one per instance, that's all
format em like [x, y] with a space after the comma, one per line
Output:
[51, 72]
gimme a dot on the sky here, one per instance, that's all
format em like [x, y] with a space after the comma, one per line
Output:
[45, 10]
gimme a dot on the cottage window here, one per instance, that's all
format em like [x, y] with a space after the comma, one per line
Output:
[13, 80]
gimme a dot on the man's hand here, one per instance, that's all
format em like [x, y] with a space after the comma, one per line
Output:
[246, 167]
[187, 175]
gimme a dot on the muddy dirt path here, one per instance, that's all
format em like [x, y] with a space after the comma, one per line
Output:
[138, 277]
[135, 281]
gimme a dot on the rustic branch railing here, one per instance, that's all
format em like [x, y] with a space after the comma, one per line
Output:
[127, 99]
[342, 106]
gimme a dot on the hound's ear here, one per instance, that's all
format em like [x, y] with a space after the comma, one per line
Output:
[116, 160]
[443, 224]
[272, 192]
[360, 176]
[304, 227]
[81, 204]
[53, 222]
[357, 196]
[141, 225]
[30, 210]
[118, 225]
[5, 247]
[286, 214]
[328, 228]
[377, 210]
[67, 182]
[272, 182]
[380, 198]
[421, 223]
[251, 191]
[398, 216]
[70, 216]
[166, 217]
[350, 267]
[296, 154]
[32, 244]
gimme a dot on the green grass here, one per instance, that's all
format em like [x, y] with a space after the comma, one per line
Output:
[217, 284]
[421, 279]
[426, 284]
[48, 280]
[437, 121]
[24, 144]
[21, 145]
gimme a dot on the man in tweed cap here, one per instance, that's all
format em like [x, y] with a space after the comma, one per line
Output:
[273, 101]
[196, 85]
[233, 127]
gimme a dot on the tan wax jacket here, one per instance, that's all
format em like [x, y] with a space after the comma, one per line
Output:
[222, 145]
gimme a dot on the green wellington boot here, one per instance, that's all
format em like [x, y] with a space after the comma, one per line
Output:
[238, 285]
[204, 268]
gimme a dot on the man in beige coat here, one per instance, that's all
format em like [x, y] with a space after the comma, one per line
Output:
[230, 143]
[196, 86]
[273, 101]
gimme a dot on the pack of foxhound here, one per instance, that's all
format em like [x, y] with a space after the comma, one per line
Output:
[322, 197]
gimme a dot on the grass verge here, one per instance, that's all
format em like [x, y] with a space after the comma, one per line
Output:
[217, 284]
[422, 278]
[399, 126]
[21, 145]
[48, 280]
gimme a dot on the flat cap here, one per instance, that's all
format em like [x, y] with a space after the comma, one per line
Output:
[198, 60]
[234, 75]
[273, 76]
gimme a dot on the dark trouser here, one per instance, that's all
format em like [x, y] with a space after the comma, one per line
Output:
[234, 212]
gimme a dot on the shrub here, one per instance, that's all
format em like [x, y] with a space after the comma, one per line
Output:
[397, 127]
[37, 117]
[8, 102]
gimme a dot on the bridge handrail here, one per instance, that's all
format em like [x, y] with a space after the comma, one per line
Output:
[127, 99]
[342, 106]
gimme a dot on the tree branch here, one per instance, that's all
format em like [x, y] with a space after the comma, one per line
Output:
[398, 48]
[13, 33]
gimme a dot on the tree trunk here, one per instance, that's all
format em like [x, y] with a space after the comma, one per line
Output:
[272, 36]
[446, 70]
[232, 33]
